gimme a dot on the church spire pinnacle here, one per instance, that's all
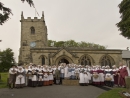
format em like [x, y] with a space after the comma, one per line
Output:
[42, 13]
[22, 17]
[22, 14]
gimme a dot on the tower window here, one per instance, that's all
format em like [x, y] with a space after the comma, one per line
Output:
[32, 30]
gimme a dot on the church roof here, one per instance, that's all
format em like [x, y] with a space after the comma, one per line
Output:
[125, 54]
[74, 48]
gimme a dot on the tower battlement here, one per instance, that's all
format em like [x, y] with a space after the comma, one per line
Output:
[29, 19]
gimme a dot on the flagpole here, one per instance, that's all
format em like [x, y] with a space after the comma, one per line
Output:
[36, 12]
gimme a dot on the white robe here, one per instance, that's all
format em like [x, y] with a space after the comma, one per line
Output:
[81, 76]
[50, 75]
[89, 75]
[86, 78]
[109, 75]
[34, 78]
[46, 76]
[101, 76]
[40, 77]
[20, 79]
[96, 79]
[66, 72]
[62, 70]
[76, 70]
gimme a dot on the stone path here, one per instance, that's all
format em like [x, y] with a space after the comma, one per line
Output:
[55, 91]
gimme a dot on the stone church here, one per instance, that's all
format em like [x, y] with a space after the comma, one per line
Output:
[34, 48]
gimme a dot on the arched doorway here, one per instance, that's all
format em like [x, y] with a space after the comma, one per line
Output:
[63, 60]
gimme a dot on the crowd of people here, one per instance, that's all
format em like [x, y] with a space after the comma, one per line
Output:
[36, 75]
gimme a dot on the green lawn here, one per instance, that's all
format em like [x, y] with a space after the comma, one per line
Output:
[114, 93]
[3, 82]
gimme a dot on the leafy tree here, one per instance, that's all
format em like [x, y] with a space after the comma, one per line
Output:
[6, 59]
[59, 44]
[124, 24]
[5, 11]
[72, 43]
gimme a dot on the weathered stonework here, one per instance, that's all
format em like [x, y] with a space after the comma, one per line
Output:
[42, 54]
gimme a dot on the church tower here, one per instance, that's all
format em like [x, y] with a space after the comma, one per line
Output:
[33, 35]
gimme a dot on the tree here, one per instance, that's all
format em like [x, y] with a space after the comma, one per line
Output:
[6, 59]
[124, 24]
[72, 43]
[5, 11]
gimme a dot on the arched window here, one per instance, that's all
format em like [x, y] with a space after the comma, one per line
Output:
[106, 61]
[43, 60]
[85, 61]
[32, 30]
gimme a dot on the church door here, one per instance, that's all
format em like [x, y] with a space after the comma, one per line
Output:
[64, 61]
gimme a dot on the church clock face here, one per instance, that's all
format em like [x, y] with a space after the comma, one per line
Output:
[32, 44]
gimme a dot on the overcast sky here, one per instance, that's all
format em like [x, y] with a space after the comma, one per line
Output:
[80, 20]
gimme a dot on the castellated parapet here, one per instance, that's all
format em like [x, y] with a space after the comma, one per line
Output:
[35, 19]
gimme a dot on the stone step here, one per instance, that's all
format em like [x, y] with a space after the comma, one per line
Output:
[70, 82]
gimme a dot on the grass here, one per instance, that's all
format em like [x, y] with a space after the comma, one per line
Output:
[114, 93]
[3, 82]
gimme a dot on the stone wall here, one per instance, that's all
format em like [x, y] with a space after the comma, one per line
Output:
[74, 57]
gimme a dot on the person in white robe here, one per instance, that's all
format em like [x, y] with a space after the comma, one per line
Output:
[109, 80]
[29, 76]
[86, 78]
[88, 73]
[69, 71]
[81, 77]
[45, 76]
[95, 76]
[12, 77]
[76, 72]
[20, 79]
[66, 72]
[34, 78]
[101, 75]
[40, 78]
[50, 71]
